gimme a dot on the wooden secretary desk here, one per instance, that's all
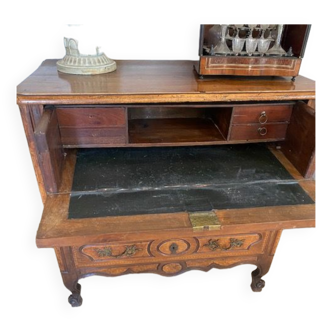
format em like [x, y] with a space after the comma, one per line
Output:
[152, 169]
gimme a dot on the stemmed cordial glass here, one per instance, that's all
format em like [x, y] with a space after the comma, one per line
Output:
[252, 28]
[251, 43]
[237, 42]
[277, 49]
[264, 27]
[221, 47]
[264, 43]
[238, 28]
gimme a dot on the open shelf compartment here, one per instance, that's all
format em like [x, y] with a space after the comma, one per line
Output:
[162, 125]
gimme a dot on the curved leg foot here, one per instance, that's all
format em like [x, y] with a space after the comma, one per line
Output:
[257, 283]
[75, 299]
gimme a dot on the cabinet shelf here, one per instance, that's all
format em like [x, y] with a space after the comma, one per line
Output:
[173, 131]
[178, 125]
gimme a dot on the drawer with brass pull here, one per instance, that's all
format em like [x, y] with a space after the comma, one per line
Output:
[170, 249]
[264, 132]
[109, 253]
[261, 114]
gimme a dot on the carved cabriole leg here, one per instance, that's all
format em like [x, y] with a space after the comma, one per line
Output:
[69, 275]
[264, 262]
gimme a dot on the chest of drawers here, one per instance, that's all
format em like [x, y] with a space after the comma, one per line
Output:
[151, 169]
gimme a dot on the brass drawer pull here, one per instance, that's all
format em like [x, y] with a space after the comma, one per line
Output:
[263, 118]
[233, 243]
[262, 131]
[107, 252]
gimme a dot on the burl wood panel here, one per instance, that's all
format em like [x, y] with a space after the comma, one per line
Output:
[253, 114]
[249, 66]
[299, 146]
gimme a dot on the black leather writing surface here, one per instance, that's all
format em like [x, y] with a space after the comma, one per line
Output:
[119, 182]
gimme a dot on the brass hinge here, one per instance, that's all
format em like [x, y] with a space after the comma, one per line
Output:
[204, 221]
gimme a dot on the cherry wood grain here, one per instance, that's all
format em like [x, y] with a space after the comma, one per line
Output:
[154, 82]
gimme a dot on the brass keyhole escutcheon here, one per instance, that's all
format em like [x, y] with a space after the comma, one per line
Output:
[173, 248]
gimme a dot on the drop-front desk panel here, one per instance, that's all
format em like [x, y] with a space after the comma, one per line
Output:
[151, 169]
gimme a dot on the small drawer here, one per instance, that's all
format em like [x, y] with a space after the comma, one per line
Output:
[261, 114]
[225, 245]
[168, 250]
[91, 117]
[110, 252]
[276, 131]
[92, 126]
[85, 137]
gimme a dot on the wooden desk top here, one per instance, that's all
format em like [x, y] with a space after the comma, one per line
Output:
[155, 82]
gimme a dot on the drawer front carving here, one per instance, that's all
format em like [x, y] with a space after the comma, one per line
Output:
[276, 131]
[106, 252]
[173, 247]
[168, 251]
[228, 244]
[261, 114]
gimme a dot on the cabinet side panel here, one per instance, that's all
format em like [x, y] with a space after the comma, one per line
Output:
[50, 151]
[299, 146]
[29, 129]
